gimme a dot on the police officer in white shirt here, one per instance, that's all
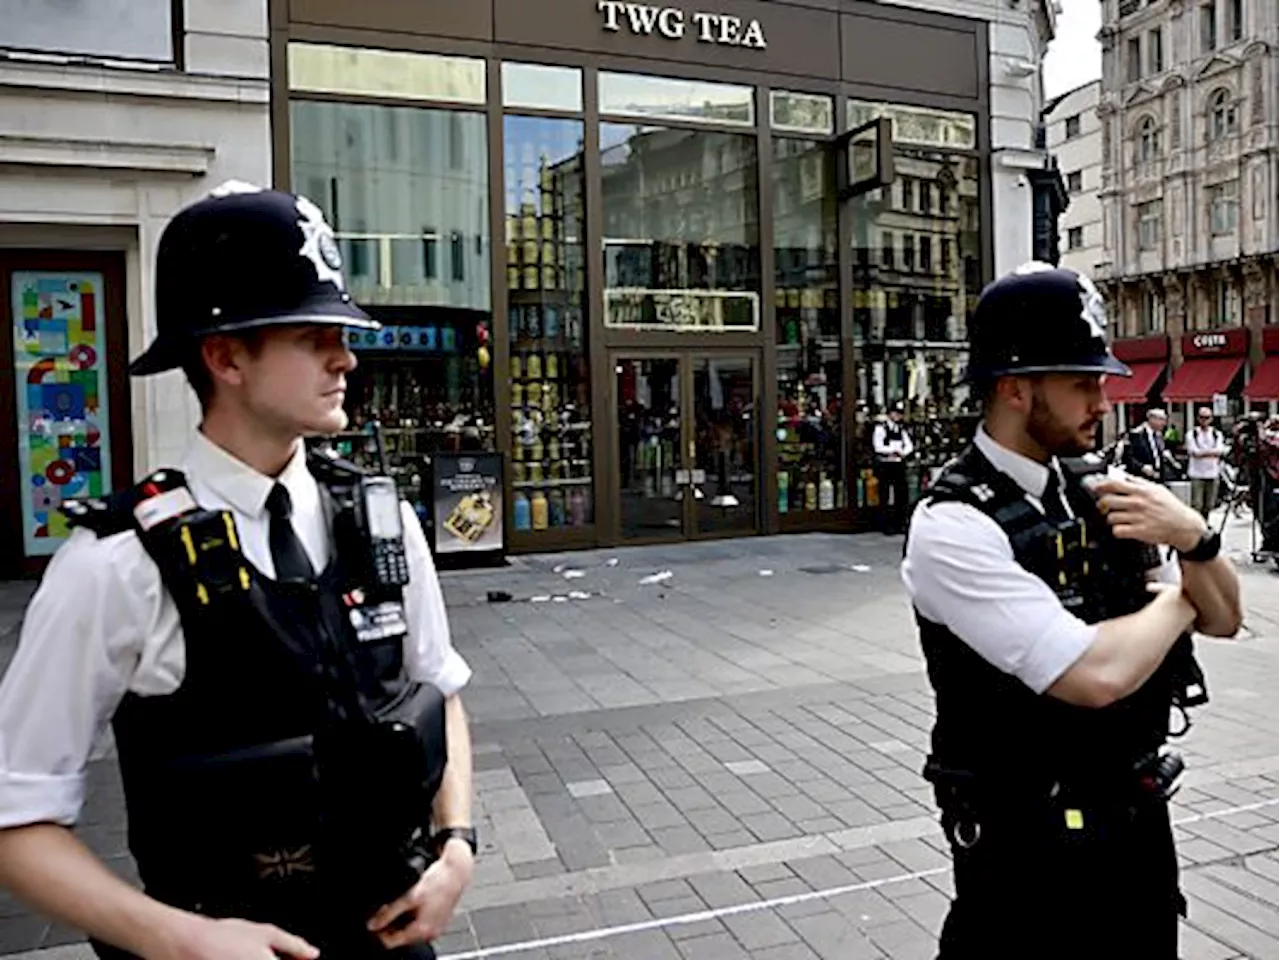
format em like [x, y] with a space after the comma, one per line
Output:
[1053, 664]
[892, 445]
[252, 653]
[1206, 447]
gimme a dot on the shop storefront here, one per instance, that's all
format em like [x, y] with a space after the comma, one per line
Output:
[1148, 358]
[617, 246]
[1211, 374]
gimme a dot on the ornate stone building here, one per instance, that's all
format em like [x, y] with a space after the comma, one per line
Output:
[1188, 115]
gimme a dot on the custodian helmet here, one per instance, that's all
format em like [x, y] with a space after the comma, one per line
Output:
[1040, 319]
[240, 258]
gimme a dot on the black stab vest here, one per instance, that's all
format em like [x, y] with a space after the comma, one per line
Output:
[993, 728]
[240, 800]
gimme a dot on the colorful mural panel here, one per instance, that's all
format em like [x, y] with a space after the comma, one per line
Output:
[59, 348]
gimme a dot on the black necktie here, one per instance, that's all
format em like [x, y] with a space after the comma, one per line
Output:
[286, 549]
[1054, 510]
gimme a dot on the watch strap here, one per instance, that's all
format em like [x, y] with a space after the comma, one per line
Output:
[466, 834]
[1208, 547]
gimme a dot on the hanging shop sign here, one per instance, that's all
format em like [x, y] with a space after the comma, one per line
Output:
[646, 20]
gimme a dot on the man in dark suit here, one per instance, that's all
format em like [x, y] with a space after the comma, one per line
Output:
[1144, 454]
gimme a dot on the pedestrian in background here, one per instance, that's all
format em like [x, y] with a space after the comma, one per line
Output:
[1145, 455]
[1206, 446]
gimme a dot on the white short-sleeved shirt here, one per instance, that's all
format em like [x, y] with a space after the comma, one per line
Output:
[101, 624]
[961, 573]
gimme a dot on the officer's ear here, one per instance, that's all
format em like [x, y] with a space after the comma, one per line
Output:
[226, 356]
[1013, 392]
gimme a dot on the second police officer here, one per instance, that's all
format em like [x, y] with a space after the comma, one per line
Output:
[265, 632]
[1054, 659]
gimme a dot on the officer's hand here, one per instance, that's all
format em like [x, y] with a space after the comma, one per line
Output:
[210, 939]
[422, 914]
[1140, 510]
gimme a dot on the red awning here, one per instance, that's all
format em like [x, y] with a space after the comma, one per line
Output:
[1136, 388]
[1200, 379]
[1265, 384]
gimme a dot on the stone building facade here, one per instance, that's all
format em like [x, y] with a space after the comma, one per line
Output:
[1188, 113]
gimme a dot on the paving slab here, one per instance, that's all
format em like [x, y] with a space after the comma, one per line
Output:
[728, 765]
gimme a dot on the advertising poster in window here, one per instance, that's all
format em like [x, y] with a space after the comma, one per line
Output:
[468, 503]
[60, 384]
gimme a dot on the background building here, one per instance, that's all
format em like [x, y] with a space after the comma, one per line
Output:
[1189, 182]
[112, 115]
[612, 246]
[1075, 140]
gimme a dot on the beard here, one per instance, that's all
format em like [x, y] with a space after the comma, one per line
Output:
[1053, 434]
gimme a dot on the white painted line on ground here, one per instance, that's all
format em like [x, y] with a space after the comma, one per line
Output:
[589, 788]
[601, 933]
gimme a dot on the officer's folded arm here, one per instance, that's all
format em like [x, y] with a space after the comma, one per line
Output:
[1150, 513]
[961, 572]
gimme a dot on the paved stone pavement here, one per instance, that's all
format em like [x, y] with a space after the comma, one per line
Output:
[724, 763]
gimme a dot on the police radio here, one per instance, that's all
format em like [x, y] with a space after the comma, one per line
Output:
[377, 503]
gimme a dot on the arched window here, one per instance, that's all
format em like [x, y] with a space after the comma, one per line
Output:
[1222, 115]
[1148, 140]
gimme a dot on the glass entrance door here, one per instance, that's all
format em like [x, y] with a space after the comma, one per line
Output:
[687, 445]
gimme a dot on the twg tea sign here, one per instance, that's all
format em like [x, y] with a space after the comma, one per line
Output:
[642, 19]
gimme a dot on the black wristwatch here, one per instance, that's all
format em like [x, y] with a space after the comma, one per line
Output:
[442, 836]
[1203, 551]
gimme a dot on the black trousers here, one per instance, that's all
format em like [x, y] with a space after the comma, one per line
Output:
[893, 495]
[1031, 886]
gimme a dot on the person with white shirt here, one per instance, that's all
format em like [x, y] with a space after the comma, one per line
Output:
[891, 442]
[1206, 446]
[269, 645]
[1053, 664]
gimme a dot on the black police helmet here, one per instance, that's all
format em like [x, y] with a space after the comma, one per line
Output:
[244, 257]
[1040, 319]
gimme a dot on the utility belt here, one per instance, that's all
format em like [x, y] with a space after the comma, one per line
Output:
[969, 799]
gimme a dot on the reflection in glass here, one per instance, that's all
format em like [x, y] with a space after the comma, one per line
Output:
[407, 193]
[322, 68]
[801, 112]
[647, 393]
[811, 472]
[681, 228]
[406, 190]
[660, 98]
[541, 87]
[918, 125]
[916, 277]
[724, 411]
[550, 383]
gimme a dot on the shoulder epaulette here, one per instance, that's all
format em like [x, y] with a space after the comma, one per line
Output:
[113, 514]
[105, 516]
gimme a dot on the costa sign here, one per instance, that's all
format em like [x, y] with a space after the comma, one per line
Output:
[1216, 343]
[643, 20]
